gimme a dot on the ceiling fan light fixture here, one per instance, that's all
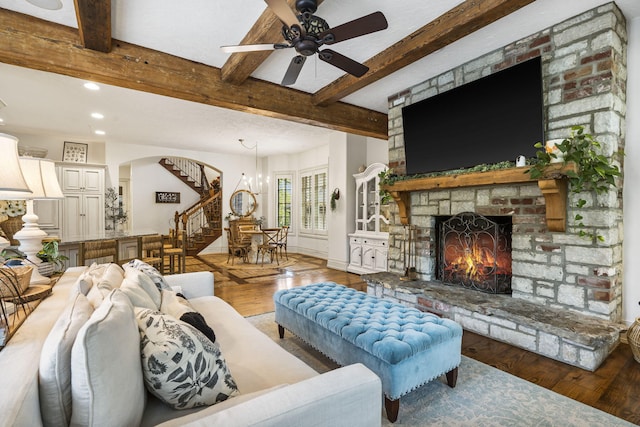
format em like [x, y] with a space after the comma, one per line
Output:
[47, 4]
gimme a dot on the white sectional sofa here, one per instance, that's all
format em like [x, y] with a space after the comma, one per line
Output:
[274, 387]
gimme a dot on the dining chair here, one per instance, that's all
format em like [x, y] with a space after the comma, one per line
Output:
[151, 250]
[269, 245]
[97, 250]
[282, 241]
[237, 248]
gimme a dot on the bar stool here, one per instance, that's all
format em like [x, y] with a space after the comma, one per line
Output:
[97, 250]
[151, 250]
[177, 254]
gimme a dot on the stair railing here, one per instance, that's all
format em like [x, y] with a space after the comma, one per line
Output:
[192, 170]
[205, 213]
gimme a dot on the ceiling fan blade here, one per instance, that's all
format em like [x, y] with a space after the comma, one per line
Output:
[293, 71]
[253, 47]
[347, 64]
[358, 27]
[285, 14]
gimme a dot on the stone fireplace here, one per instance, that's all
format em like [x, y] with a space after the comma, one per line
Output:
[474, 251]
[555, 273]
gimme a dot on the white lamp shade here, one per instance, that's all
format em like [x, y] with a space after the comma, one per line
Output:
[11, 177]
[47, 4]
[40, 175]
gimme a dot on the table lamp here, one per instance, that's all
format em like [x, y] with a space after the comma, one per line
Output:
[11, 178]
[40, 175]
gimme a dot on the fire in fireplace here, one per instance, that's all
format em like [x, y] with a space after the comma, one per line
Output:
[475, 252]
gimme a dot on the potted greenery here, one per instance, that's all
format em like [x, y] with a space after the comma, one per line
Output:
[114, 214]
[334, 196]
[52, 260]
[596, 172]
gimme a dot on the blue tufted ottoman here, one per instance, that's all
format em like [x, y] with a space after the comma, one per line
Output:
[404, 346]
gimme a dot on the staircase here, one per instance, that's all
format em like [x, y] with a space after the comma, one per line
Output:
[202, 221]
[187, 171]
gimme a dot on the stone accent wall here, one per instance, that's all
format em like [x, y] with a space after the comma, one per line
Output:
[584, 77]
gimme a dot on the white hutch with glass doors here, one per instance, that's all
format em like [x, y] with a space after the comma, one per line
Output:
[369, 244]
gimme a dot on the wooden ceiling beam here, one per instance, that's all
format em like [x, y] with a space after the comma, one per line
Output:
[94, 24]
[33, 43]
[267, 29]
[453, 25]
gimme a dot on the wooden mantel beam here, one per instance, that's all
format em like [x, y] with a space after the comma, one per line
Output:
[33, 43]
[462, 20]
[553, 185]
[94, 24]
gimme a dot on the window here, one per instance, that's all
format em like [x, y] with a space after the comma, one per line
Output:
[313, 193]
[284, 190]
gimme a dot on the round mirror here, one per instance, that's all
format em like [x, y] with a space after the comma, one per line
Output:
[243, 203]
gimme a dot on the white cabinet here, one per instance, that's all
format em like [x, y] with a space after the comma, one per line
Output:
[82, 210]
[48, 212]
[127, 249]
[368, 246]
[82, 179]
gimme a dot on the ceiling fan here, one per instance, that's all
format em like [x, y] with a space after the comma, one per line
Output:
[306, 33]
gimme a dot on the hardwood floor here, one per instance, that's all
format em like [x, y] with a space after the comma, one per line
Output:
[613, 388]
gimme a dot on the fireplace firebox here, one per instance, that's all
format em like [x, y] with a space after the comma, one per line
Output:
[474, 251]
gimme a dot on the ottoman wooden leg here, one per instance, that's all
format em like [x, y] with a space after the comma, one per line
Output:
[452, 377]
[392, 407]
[281, 333]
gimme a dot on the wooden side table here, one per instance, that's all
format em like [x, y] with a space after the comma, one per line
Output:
[31, 297]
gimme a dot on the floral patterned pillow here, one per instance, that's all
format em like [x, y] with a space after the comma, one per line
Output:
[181, 366]
[150, 271]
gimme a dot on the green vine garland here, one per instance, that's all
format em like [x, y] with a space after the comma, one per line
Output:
[596, 172]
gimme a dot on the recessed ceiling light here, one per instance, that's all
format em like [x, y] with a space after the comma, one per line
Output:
[100, 132]
[91, 86]
[47, 4]
[97, 115]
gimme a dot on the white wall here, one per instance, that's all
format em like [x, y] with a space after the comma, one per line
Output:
[631, 285]
[55, 146]
[377, 151]
[346, 154]
[343, 154]
[147, 177]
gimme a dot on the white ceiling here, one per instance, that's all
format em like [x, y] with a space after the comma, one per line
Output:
[45, 103]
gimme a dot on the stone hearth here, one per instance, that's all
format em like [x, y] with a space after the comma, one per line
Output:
[569, 337]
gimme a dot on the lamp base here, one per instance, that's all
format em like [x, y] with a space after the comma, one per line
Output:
[30, 237]
[37, 278]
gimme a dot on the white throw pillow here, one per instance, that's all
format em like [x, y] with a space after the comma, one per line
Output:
[97, 293]
[106, 377]
[174, 305]
[55, 363]
[113, 275]
[136, 278]
[138, 296]
[83, 284]
[181, 366]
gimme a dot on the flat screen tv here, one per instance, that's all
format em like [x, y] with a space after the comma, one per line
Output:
[487, 121]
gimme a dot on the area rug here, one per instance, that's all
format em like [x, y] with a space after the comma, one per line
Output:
[484, 396]
[249, 269]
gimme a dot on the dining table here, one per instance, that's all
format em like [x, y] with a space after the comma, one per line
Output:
[260, 236]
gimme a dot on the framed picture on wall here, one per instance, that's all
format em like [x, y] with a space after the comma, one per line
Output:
[75, 152]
